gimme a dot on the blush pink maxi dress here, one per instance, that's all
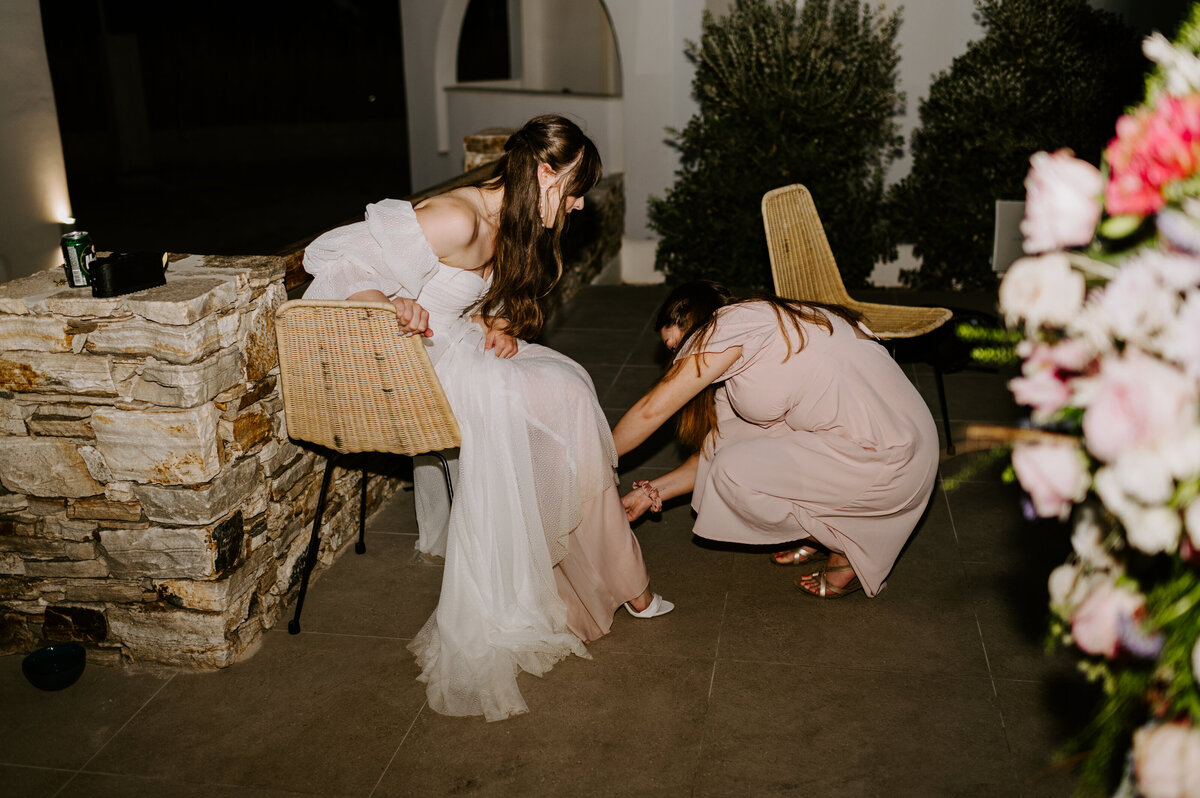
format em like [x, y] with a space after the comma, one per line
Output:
[832, 442]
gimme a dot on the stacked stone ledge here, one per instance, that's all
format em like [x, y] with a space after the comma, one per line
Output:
[153, 506]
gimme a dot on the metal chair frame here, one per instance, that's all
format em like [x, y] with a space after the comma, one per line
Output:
[353, 383]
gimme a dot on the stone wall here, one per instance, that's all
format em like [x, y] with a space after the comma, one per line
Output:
[153, 506]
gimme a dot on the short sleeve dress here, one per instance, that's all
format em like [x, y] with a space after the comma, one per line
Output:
[831, 442]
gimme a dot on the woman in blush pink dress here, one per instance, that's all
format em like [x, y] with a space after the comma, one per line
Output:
[806, 432]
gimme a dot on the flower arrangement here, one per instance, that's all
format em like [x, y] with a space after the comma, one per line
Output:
[1107, 301]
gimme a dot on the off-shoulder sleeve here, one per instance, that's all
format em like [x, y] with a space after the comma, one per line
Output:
[387, 252]
[750, 326]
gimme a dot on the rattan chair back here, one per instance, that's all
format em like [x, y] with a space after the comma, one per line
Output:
[353, 383]
[803, 267]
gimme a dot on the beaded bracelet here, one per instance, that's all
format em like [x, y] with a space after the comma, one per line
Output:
[652, 492]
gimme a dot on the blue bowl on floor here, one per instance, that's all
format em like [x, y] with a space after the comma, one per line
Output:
[54, 667]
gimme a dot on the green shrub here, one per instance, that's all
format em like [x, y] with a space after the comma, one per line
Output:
[1047, 74]
[786, 96]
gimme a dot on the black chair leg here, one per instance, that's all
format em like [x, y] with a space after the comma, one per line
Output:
[361, 545]
[446, 474]
[314, 545]
[937, 374]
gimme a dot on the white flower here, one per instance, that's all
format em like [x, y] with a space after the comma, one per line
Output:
[1181, 340]
[1136, 303]
[1153, 529]
[1042, 290]
[1088, 540]
[1144, 476]
[1069, 586]
[1181, 66]
[1062, 202]
[1191, 520]
[1178, 272]
[1096, 621]
[1166, 759]
[1150, 529]
[1181, 454]
[1091, 327]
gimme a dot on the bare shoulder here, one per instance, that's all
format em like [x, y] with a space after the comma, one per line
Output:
[450, 223]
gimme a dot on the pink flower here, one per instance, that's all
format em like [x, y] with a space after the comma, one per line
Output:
[1096, 623]
[1053, 474]
[1062, 202]
[1166, 761]
[1153, 148]
[1137, 402]
[1043, 391]
[1042, 290]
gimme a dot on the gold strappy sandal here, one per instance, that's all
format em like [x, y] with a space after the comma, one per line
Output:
[799, 556]
[824, 589]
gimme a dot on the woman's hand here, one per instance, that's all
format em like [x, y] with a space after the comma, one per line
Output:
[495, 336]
[636, 502]
[412, 318]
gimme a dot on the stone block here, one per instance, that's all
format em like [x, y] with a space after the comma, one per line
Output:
[61, 421]
[28, 294]
[160, 447]
[101, 508]
[218, 595]
[160, 551]
[79, 303]
[40, 548]
[248, 430]
[35, 333]
[83, 624]
[174, 636]
[137, 336]
[95, 591]
[45, 467]
[44, 372]
[204, 504]
[98, 468]
[12, 502]
[183, 300]
[171, 385]
[57, 528]
[257, 333]
[65, 568]
[11, 563]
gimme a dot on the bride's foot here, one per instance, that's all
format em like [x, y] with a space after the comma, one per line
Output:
[648, 605]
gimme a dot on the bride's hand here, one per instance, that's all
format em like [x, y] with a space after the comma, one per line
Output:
[636, 503]
[412, 318]
[496, 337]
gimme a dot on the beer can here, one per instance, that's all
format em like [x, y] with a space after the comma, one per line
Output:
[78, 254]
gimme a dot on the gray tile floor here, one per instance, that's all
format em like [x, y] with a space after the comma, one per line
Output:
[938, 687]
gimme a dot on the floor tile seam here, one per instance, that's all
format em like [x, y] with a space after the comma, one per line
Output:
[399, 745]
[64, 771]
[712, 679]
[117, 733]
[840, 667]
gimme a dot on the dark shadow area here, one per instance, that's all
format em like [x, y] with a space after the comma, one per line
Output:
[224, 127]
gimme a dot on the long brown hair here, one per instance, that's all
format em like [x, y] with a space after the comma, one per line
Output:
[527, 261]
[693, 308]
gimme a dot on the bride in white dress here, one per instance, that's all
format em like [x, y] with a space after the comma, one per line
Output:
[539, 553]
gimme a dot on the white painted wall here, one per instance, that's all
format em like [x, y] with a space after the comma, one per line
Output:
[567, 46]
[601, 118]
[656, 94]
[34, 199]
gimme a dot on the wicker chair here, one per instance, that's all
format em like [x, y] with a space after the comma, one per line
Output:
[353, 383]
[803, 267]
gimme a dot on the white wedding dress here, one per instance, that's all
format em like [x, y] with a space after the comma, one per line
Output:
[536, 460]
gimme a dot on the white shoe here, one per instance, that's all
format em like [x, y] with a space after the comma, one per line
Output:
[657, 606]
